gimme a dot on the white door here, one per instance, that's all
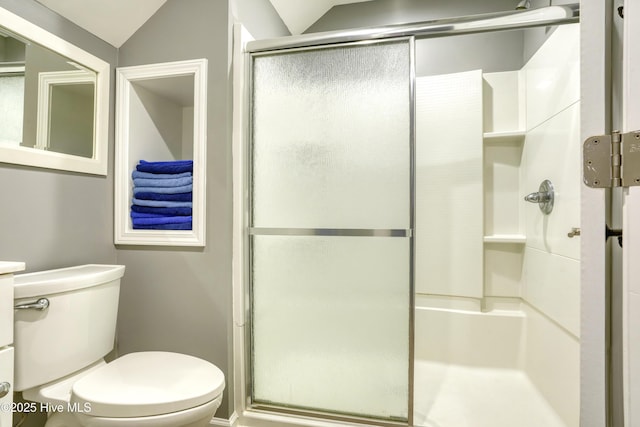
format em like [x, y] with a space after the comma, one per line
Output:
[595, 36]
[631, 222]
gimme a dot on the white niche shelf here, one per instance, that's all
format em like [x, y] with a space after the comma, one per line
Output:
[504, 139]
[506, 238]
[505, 136]
[161, 112]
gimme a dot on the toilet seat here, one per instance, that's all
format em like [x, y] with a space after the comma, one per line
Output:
[200, 415]
[147, 383]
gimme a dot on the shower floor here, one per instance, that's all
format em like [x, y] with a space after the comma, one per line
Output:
[462, 396]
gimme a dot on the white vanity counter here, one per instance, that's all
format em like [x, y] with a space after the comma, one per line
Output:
[7, 268]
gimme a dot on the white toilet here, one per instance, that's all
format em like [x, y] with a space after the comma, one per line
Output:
[65, 324]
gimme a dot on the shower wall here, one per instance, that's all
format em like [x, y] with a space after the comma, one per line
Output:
[519, 309]
[551, 286]
[449, 185]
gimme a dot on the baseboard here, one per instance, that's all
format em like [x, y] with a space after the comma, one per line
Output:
[231, 422]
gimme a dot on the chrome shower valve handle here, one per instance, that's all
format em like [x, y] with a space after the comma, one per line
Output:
[538, 197]
[544, 197]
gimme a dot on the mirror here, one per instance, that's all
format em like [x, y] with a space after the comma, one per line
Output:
[53, 100]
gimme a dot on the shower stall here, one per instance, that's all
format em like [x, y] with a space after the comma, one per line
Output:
[391, 271]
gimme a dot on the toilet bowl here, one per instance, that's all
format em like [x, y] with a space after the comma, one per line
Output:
[59, 345]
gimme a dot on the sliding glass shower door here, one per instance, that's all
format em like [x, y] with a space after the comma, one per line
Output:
[330, 229]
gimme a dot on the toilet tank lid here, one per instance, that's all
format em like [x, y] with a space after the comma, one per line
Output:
[47, 282]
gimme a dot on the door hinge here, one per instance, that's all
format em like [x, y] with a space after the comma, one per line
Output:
[612, 160]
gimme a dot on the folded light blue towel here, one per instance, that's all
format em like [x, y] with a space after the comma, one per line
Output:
[179, 197]
[175, 182]
[162, 220]
[138, 174]
[182, 226]
[162, 203]
[150, 215]
[145, 215]
[162, 211]
[177, 166]
[163, 190]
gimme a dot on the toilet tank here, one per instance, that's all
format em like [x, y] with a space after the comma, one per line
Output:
[76, 330]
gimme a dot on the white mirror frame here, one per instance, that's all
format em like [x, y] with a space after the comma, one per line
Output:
[46, 81]
[96, 165]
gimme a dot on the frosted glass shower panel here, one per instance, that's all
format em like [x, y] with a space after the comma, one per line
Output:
[11, 109]
[331, 324]
[331, 137]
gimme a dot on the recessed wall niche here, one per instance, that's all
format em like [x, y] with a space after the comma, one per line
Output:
[161, 117]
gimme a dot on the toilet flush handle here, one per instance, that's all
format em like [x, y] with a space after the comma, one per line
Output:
[41, 304]
[5, 388]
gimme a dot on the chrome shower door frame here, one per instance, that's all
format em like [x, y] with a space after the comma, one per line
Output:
[272, 416]
[251, 231]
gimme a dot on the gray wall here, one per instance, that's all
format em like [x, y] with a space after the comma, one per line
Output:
[535, 37]
[171, 299]
[501, 51]
[490, 52]
[180, 299]
[260, 18]
[11, 49]
[39, 60]
[71, 121]
[53, 218]
[388, 12]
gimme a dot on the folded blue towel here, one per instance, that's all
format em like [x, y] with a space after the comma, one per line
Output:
[175, 182]
[183, 226]
[162, 220]
[162, 203]
[138, 174]
[163, 190]
[150, 215]
[175, 211]
[179, 197]
[177, 166]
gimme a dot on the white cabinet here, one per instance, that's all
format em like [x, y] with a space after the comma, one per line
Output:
[6, 338]
[6, 376]
[6, 309]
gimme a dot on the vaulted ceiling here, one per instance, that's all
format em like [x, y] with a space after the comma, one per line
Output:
[114, 21]
[299, 15]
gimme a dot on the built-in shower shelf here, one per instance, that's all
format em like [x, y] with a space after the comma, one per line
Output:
[505, 238]
[517, 135]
